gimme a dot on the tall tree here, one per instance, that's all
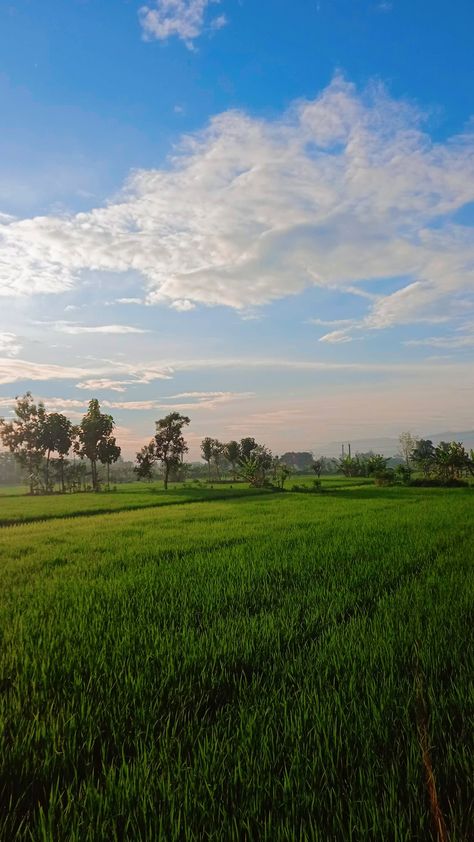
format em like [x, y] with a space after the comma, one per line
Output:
[24, 437]
[108, 452]
[57, 432]
[232, 454]
[93, 432]
[217, 453]
[206, 452]
[423, 456]
[170, 445]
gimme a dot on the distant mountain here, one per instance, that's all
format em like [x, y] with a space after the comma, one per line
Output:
[390, 446]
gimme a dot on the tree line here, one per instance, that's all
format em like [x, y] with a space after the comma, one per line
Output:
[40, 441]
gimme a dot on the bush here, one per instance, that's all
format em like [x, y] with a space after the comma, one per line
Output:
[403, 474]
[386, 477]
[424, 482]
[314, 488]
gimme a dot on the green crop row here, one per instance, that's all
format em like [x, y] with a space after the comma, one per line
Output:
[249, 668]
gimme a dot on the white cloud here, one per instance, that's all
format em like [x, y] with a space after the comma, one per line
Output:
[182, 305]
[9, 344]
[331, 322]
[74, 328]
[12, 371]
[184, 19]
[339, 191]
[104, 383]
[336, 336]
[129, 301]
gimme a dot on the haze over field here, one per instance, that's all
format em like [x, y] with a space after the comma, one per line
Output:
[260, 219]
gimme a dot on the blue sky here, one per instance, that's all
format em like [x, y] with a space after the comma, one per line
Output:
[260, 213]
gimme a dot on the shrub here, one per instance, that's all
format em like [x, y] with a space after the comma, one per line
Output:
[423, 482]
[386, 477]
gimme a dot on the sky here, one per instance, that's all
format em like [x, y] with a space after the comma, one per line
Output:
[260, 214]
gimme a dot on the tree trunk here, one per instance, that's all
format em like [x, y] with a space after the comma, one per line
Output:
[167, 473]
[94, 474]
[47, 471]
[63, 488]
[108, 475]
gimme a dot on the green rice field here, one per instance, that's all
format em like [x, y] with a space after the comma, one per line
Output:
[225, 664]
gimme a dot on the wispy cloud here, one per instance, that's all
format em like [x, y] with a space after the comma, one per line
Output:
[184, 19]
[77, 329]
[336, 336]
[331, 322]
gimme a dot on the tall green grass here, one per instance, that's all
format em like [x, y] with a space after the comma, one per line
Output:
[242, 669]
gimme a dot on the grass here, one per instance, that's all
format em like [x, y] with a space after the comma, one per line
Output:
[242, 668]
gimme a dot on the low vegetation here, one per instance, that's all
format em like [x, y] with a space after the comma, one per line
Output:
[262, 667]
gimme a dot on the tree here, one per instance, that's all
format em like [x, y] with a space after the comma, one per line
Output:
[56, 433]
[423, 456]
[376, 464]
[108, 452]
[206, 451]
[24, 437]
[217, 453]
[146, 459]
[254, 468]
[352, 466]
[93, 433]
[170, 445]
[247, 446]
[451, 460]
[281, 475]
[408, 443]
[317, 466]
[232, 454]
[298, 460]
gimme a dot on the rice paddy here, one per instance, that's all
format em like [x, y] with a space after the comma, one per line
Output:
[221, 664]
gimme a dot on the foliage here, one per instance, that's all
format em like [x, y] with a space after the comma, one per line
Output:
[254, 469]
[169, 443]
[94, 437]
[146, 459]
[206, 452]
[281, 474]
[232, 454]
[108, 452]
[57, 436]
[423, 456]
[298, 460]
[24, 438]
[247, 446]
[437, 482]
[403, 474]
[384, 477]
